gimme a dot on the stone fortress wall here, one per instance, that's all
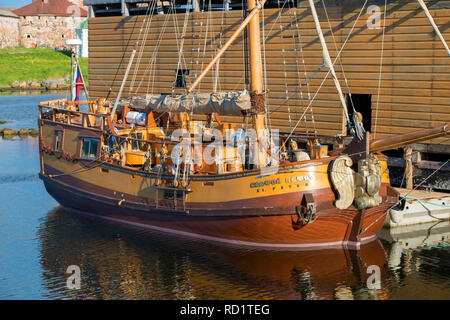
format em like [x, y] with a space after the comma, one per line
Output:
[9, 31]
[46, 31]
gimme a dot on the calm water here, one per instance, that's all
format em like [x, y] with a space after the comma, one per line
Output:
[39, 240]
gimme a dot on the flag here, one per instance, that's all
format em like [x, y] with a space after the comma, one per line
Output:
[78, 80]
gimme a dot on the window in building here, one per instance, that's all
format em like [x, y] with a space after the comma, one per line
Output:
[181, 78]
[89, 148]
[28, 36]
[58, 140]
[362, 104]
[63, 36]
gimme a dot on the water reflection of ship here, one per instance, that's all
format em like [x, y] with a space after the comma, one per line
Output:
[120, 262]
[403, 240]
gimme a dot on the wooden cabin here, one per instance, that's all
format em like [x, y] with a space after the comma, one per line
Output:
[393, 68]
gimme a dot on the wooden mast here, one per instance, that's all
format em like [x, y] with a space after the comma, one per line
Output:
[255, 51]
[257, 94]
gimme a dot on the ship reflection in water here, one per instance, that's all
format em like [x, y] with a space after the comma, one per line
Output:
[119, 262]
[128, 263]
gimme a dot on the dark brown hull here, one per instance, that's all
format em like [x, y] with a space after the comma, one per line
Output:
[275, 227]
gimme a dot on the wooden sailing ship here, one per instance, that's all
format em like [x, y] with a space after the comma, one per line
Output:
[146, 162]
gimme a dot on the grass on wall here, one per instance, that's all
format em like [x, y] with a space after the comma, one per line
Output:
[37, 64]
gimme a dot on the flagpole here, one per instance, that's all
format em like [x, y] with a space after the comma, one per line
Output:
[71, 76]
[82, 79]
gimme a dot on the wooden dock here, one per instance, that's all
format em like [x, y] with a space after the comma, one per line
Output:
[418, 207]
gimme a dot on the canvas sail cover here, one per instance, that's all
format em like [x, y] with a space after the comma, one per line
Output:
[222, 103]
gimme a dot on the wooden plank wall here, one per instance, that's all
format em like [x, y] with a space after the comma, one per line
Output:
[414, 91]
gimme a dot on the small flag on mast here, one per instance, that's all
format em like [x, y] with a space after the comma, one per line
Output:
[78, 80]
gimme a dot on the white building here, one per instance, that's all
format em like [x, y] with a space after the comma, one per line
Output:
[83, 36]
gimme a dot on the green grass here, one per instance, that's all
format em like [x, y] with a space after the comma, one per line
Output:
[38, 64]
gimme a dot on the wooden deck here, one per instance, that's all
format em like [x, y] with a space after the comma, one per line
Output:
[421, 208]
[422, 194]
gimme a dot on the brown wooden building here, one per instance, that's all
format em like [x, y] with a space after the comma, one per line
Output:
[405, 54]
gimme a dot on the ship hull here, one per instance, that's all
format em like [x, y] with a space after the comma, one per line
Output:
[275, 227]
[264, 208]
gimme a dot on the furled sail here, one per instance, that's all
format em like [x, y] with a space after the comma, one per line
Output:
[222, 103]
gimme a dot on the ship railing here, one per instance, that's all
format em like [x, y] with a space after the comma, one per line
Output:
[125, 150]
[52, 110]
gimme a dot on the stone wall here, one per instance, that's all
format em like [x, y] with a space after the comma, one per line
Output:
[47, 31]
[9, 32]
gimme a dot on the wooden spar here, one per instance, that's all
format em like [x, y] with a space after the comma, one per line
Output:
[408, 138]
[326, 56]
[247, 20]
[116, 103]
[436, 29]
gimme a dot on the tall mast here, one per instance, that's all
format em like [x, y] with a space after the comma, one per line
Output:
[255, 51]
[257, 94]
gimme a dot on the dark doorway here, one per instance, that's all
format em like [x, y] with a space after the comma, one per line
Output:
[180, 81]
[362, 104]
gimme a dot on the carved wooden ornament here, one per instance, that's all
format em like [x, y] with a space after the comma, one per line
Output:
[343, 183]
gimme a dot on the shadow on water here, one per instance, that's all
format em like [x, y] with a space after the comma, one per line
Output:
[121, 262]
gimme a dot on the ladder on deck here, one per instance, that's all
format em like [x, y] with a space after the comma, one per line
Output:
[176, 191]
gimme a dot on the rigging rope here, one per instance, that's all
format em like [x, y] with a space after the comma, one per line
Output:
[147, 20]
[425, 201]
[267, 118]
[387, 210]
[381, 69]
[208, 21]
[180, 45]
[323, 81]
[120, 64]
[340, 58]
[300, 47]
[149, 69]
